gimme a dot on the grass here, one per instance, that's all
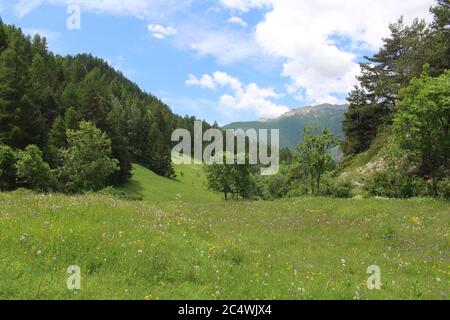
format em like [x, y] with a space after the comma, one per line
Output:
[187, 248]
[188, 186]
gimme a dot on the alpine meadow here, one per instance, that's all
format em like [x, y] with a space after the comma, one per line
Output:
[347, 198]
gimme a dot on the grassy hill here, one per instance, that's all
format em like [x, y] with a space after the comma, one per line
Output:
[291, 124]
[196, 246]
[190, 185]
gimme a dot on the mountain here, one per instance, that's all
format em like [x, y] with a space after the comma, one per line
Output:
[292, 123]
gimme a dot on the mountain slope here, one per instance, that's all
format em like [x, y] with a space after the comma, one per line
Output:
[291, 124]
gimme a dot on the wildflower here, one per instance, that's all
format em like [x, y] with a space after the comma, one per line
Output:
[414, 219]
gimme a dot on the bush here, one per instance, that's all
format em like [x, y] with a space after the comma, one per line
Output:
[337, 188]
[397, 185]
[7, 168]
[443, 188]
[32, 171]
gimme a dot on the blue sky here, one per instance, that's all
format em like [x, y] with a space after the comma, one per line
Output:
[225, 60]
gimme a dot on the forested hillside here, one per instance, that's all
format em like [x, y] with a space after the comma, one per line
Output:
[43, 95]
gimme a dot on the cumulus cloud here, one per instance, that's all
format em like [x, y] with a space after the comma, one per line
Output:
[160, 32]
[304, 34]
[243, 97]
[238, 21]
[205, 82]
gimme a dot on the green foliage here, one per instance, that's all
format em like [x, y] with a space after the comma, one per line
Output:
[443, 188]
[7, 168]
[337, 188]
[235, 179]
[361, 123]
[422, 123]
[374, 102]
[396, 179]
[314, 156]
[20, 119]
[86, 162]
[32, 171]
[391, 184]
[42, 95]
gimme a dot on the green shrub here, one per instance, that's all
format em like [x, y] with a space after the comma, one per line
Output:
[443, 188]
[32, 171]
[277, 187]
[336, 188]
[7, 168]
[398, 185]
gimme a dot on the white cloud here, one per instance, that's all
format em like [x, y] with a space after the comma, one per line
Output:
[24, 7]
[227, 46]
[205, 82]
[218, 79]
[238, 21]
[245, 5]
[161, 32]
[303, 34]
[243, 97]
[137, 8]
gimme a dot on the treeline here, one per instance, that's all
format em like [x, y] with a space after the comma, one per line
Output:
[43, 96]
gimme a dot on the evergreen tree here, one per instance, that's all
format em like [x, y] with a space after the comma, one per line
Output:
[21, 123]
[7, 168]
[3, 36]
[361, 122]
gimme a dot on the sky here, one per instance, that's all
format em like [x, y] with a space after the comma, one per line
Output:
[223, 60]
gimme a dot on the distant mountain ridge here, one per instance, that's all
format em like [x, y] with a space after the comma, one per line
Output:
[292, 123]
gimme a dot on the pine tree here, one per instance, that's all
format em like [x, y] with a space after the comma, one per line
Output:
[21, 123]
[361, 122]
[3, 37]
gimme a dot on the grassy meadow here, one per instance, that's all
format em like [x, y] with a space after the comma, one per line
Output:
[182, 242]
